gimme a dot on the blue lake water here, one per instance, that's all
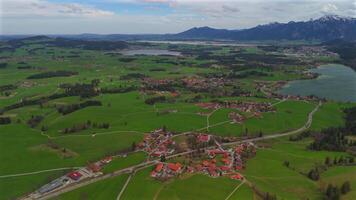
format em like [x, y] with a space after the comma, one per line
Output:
[336, 82]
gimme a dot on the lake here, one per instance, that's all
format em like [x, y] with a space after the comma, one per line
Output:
[336, 82]
[152, 52]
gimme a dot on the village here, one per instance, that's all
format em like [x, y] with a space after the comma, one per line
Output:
[207, 157]
[214, 161]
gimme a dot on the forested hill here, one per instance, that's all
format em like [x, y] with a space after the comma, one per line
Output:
[346, 51]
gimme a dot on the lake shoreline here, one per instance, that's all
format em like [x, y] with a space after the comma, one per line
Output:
[327, 84]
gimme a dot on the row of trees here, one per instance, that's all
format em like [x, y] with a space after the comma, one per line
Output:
[5, 120]
[66, 109]
[50, 74]
[84, 126]
[34, 120]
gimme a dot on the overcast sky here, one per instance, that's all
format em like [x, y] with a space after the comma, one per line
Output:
[156, 16]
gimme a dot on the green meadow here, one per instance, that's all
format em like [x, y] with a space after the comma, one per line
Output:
[33, 146]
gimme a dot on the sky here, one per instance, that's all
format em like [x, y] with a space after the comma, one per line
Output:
[157, 16]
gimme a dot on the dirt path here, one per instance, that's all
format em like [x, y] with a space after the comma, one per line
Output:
[38, 172]
[237, 187]
[125, 186]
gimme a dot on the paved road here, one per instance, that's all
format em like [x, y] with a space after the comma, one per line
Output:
[149, 163]
[125, 186]
[301, 129]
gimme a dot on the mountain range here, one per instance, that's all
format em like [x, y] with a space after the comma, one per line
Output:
[329, 27]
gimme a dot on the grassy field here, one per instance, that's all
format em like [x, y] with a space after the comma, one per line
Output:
[289, 115]
[102, 190]
[45, 145]
[268, 172]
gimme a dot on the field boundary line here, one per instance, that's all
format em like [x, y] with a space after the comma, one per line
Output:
[237, 187]
[37, 172]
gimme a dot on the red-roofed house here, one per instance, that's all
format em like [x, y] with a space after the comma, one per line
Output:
[175, 167]
[225, 168]
[203, 138]
[226, 161]
[159, 167]
[75, 175]
[206, 163]
[236, 177]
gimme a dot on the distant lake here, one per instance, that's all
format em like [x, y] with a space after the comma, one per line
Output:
[152, 52]
[209, 43]
[336, 82]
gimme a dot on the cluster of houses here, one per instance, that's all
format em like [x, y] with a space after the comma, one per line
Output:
[251, 107]
[150, 82]
[223, 162]
[217, 162]
[199, 84]
[92, 170]
[158, 143]
[256, 108]
[270, 88]
[166, 170]
[309, 51]
[236, 117]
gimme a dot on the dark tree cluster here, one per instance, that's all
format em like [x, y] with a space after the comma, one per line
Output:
[246, 74]
[66, 109]
[300, 136]
[7, 87]
[334, 193]
[269, 196]
[117, 90]
[50, 74]
[83, 126]
[5, 120]
[83, 90]
[350, 121]
[3, 65]
[25, 67]
[30, 102]
[346, 51]
[34, 120]
[153, 100]
[331, 139]
[314, 174]
[133, 76]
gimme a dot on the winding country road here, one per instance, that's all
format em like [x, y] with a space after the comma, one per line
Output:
[131, 169]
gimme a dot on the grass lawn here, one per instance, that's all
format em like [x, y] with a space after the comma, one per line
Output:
[120, 163]
[203, 187]
[102, 190]
[289, 115]
[14, 187]
[269, 174]
[337, 176]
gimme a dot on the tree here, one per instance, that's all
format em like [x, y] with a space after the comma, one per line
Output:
[346, 187]
[332, 193]
[133, 146]
[327, 161]
[314, 174]
[286, 163]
